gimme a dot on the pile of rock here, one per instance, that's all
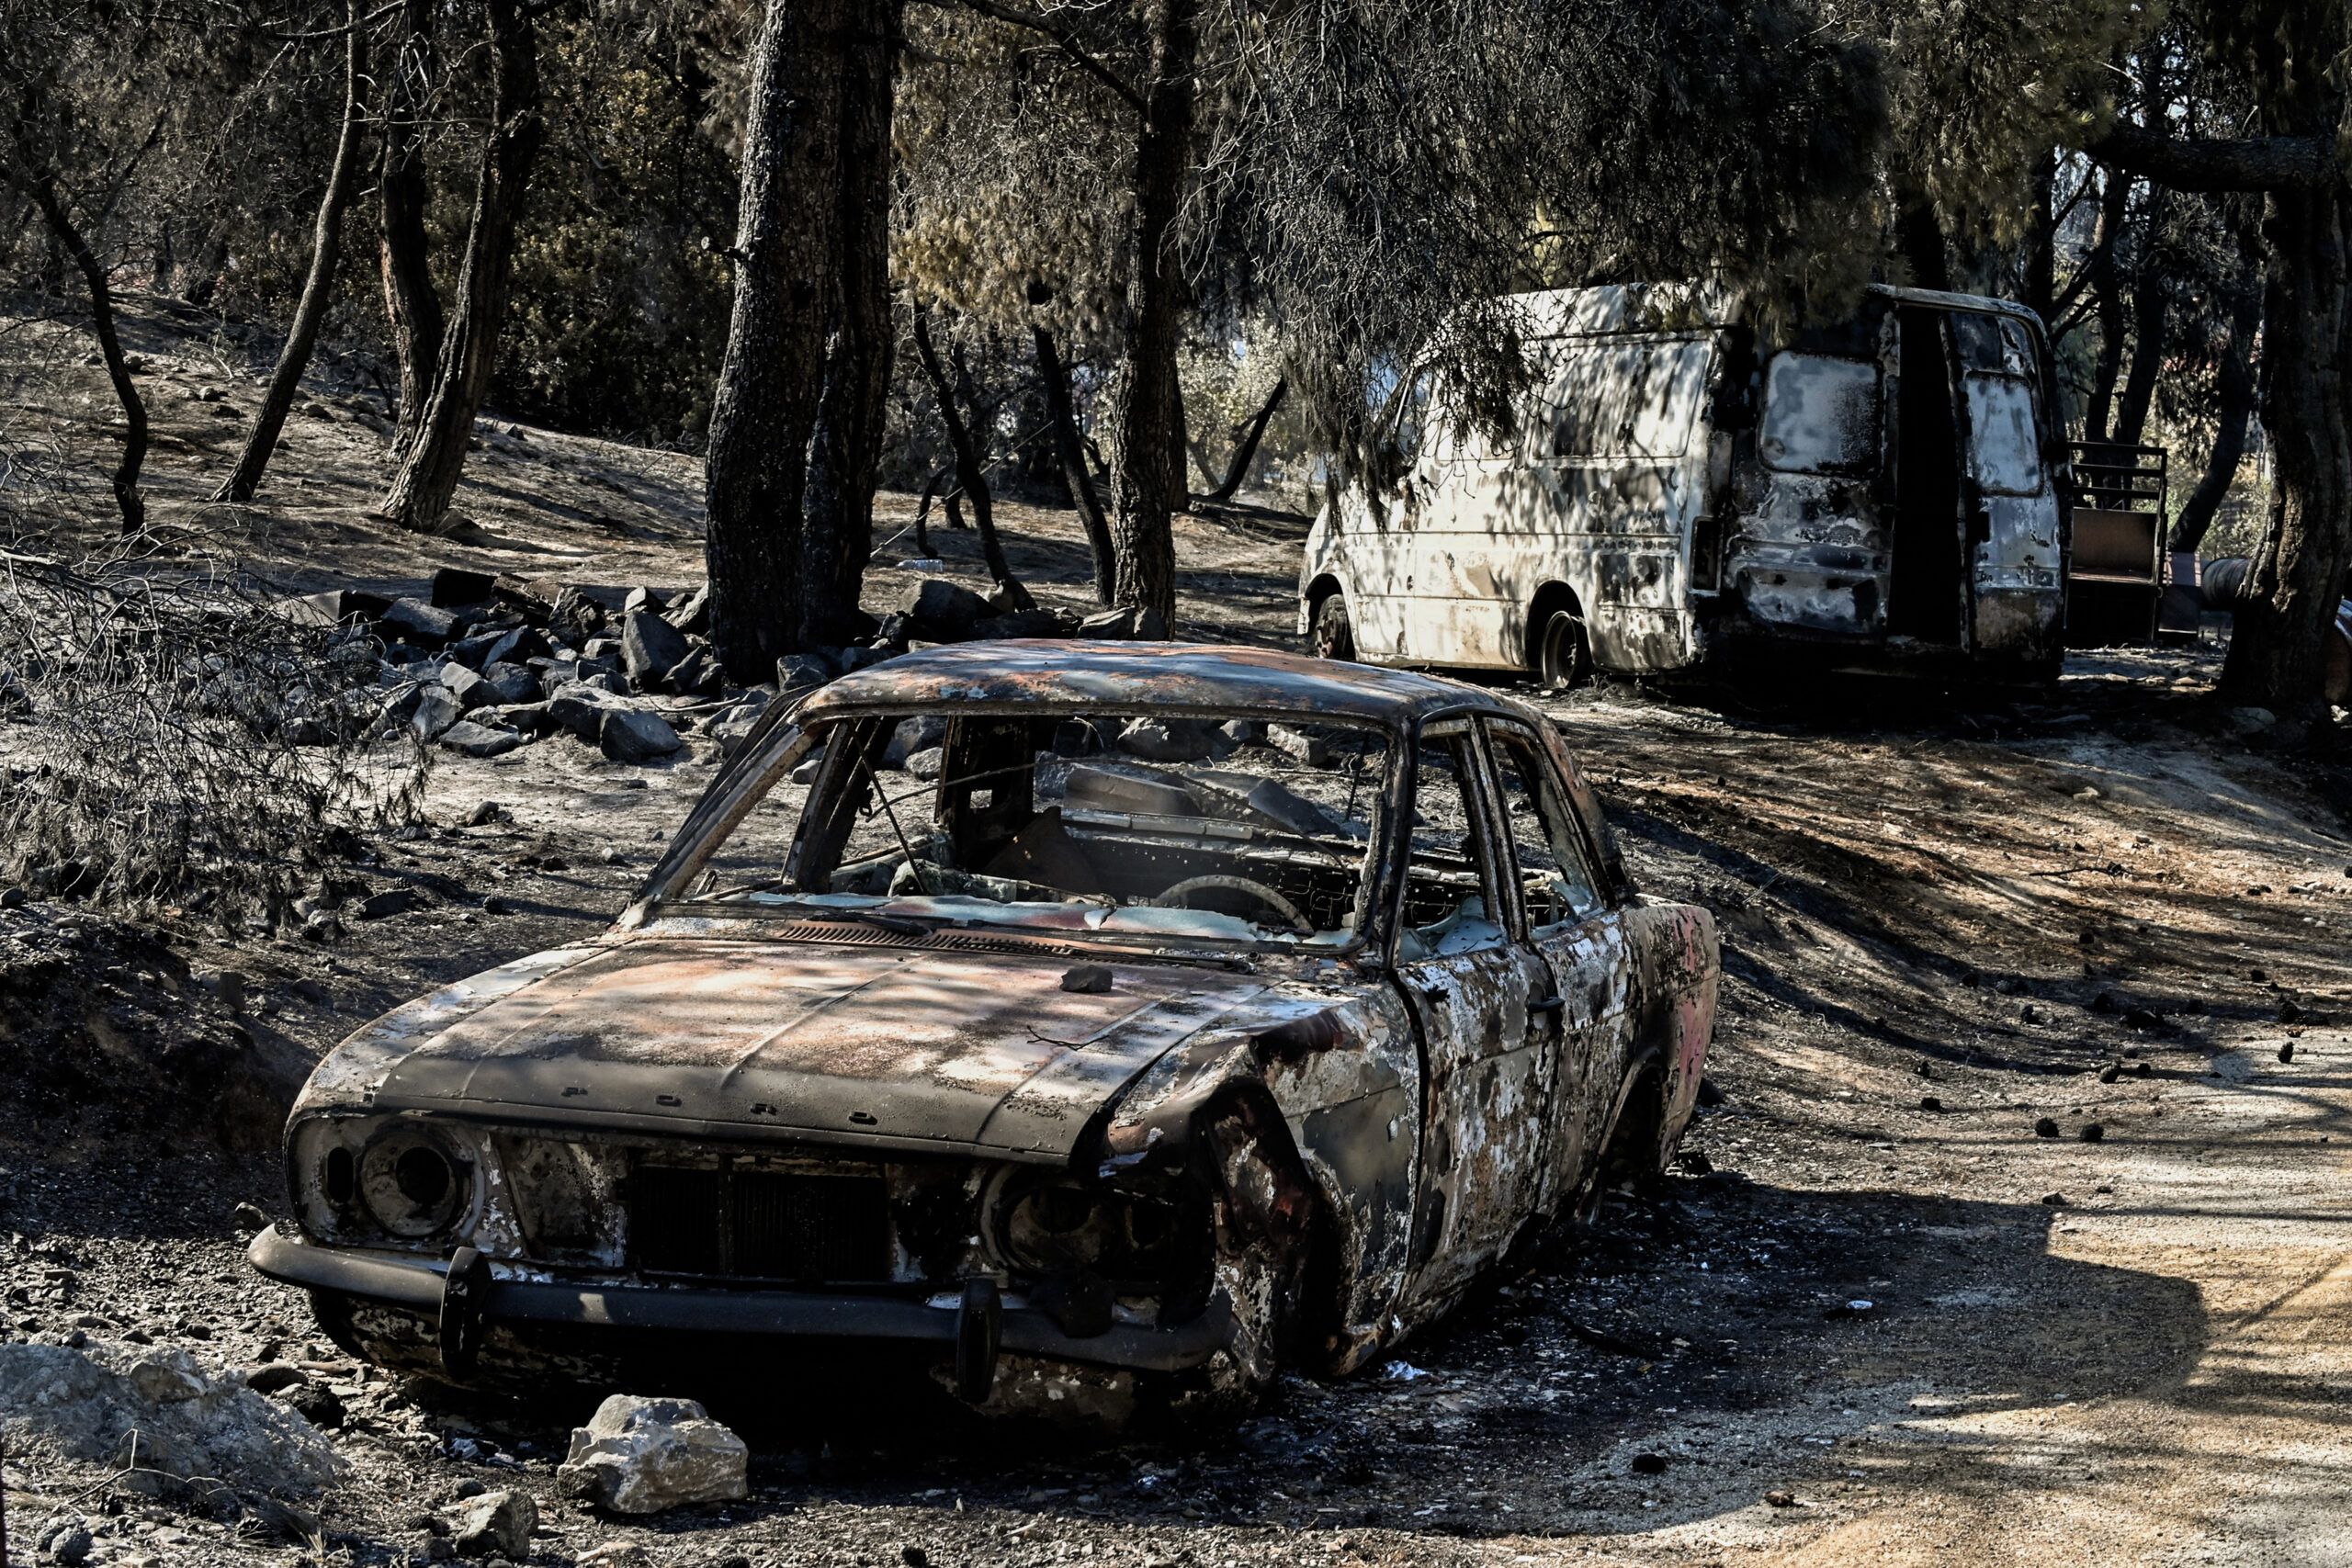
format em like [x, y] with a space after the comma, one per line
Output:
[481, 665]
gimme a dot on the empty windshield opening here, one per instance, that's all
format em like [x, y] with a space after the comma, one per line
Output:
[1134, 823]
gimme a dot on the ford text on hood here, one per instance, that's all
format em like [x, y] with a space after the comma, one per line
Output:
[1100, 1027]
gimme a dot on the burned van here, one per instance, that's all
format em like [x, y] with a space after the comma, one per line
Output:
[1685, 489]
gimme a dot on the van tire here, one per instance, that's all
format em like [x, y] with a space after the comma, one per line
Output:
[1563, 652]
[1331, 636]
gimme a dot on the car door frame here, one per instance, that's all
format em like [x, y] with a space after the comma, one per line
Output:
[1484, 1042]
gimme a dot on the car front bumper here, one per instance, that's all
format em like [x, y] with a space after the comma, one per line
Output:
[415, 1284]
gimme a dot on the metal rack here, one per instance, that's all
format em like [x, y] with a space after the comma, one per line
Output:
[2116, 578]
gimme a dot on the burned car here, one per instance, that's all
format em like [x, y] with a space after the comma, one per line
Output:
[1136, 1020]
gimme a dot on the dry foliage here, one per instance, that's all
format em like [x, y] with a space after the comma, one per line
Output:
[171, 738]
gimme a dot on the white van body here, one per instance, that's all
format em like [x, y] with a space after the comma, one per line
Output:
[1884, 493]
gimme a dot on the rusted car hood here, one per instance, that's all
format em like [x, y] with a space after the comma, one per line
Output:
[879, 1046]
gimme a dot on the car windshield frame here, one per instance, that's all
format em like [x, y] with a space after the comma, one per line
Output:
[678, 887]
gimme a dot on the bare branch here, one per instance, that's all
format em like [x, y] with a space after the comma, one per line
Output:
[2261, 162]
[1066, 38]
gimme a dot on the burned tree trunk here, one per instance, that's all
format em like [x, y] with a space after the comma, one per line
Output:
[1245, 442]
[412, 304]
[2236, 376]
[971, 469]
[1072, 451]
[325, 248]
[2298, 571]
[41, 187]
[1147, 482]
[764, 407]
[845, 468]
[2107, 295]
[2148, 309]
[428, 472]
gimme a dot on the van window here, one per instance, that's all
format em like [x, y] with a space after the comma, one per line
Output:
[1624, 399]
[1820, 415]
[2003, 448]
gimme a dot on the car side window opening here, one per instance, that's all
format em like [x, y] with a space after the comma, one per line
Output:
[1558, 888]
[1135, 824]
[1450, 898]
[1821, 414]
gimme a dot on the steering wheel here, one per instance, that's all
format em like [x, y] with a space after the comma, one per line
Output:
[1174, 897]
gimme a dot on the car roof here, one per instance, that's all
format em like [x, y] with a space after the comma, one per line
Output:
[1174, 676]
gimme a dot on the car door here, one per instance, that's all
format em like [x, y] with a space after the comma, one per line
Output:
[1582, 943]
[1476, 992]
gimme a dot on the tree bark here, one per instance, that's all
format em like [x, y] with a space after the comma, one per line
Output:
[2148, 305]
[1921, 240]
[2235, 374]
[971, 467]
[1076, 474]
[42, 189]
[412, 304]
[2042, 245]
[428, 472]
[1246, 439]
[326, 242]
[764, 407]
[2297, 576]
[845, 468]
[1146, 484]
[2114, 210]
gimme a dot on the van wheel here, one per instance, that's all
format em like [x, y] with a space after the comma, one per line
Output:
[1332, 636]
[1563, 652]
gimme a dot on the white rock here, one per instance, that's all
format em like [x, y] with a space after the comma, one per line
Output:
[500, 1521]
[640, 1456]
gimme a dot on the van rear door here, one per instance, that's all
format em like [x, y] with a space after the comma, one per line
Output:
[2014, 579]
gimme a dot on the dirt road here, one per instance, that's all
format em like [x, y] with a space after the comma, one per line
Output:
[1943, 922]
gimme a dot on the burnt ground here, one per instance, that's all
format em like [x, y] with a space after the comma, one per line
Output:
[2132, 1349]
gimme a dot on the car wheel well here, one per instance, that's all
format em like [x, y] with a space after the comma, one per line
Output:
[1634, 1151]
[1550, 599]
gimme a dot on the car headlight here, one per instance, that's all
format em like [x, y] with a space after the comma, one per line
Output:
[1055, 1224]
[412, 1182]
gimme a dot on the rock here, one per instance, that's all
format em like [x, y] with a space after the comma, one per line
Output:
[2142, 1018]
[1781, 1499]
[1088, 979]
[473, 652]
[942, 611]
[85, 1406]
[248, 1218]
[2045, 1128]
[928, 763]
[1929, 1102]
[640, 1456]
[470, 689]
[2105, 1003]
[698, 674]
[428, 625]
[511, 683]
[2286, 1051]
[66, 1541]
[518, 645]
[1125, 625]
[499, 1521]
[2091, 1132]
[798, 672]
[650, 646]
[1169, 739]
[691, 615]
[315, 1403]
[580, 708]
[1242, 732]
[2055, 1200]
[288, 1522]
[914, 1556]
[2251, 721]
[437, 709]
[470, 739]
[1648, 1464]
[632, 734]
[276, 1376]
[391, 901]
[2140, 1069]
[2110, 1072]
[1308, 751]
[528, 718]
[641, 598]
[1711, 1093]
[856, 658]
[913, 735]
[454, 586]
